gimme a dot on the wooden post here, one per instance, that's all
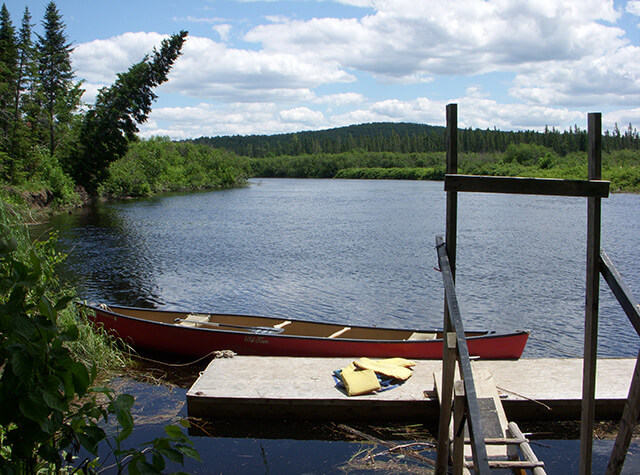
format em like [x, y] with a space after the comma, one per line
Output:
[592, 296]
[452, 196]
[451, 138]
[459, 410]
[450, 357]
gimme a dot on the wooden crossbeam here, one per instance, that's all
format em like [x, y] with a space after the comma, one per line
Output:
[526, 186]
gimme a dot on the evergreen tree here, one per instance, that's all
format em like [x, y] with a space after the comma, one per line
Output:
[112, 123]
[24, 86]
[8, 66]
[59, 96]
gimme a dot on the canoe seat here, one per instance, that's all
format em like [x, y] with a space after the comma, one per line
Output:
[422, 336]
[339, 332]
[282, 324]
[194, 320]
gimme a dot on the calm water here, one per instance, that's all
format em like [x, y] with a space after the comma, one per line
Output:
[354, 252]
[358, 252]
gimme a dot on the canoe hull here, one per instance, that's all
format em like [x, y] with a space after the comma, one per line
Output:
[198, 342]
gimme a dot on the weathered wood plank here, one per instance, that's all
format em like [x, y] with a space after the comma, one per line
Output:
[476, 430]
[592, 299]
[448, 358]
[526, 186]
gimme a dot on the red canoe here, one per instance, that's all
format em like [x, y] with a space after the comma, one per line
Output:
[200, 334]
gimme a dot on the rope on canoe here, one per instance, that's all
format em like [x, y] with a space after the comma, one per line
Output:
[215, 354]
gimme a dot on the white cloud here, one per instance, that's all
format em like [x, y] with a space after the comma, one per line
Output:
[223, 31]
[406, 40]
[302, 116]
[633, 7]
[99, 61]
[341, 99]
[608, 79]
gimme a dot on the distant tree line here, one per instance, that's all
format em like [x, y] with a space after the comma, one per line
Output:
[414, 138]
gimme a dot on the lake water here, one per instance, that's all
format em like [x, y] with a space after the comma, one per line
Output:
[355, 252]
[359, 252]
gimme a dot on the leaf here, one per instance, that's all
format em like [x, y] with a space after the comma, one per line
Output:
[22, 365]
[158, 462]
[34, 410]
[174, 432]
[174, 455]
[121, 407]
[80, 378]
[46, 309]
[51, 394]
[71, 333]
[91, 437]
[62, 303]
[190, 452]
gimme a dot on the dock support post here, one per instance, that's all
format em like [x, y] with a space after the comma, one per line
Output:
[458, 427]
[592, 296]
[448, 356]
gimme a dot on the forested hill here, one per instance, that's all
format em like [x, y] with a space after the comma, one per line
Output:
[374, 137]
[414, 138]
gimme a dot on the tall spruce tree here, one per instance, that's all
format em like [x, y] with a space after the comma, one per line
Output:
[8, 67]
[26, 64]
[24, 88]
[57, 92]
[113, 122]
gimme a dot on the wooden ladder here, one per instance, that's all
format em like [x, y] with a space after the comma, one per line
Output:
[502, 438]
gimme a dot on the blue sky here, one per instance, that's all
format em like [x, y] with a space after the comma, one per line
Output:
[264, 67]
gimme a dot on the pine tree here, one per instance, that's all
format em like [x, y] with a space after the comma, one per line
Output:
[59, 96]
[24, 86]
[108, 128]
[8, 66]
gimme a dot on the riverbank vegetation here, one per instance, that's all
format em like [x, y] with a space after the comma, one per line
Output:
[57, 150]
[621, 167]
[159, 165]
[51, 359]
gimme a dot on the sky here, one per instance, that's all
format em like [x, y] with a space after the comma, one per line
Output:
[269, 67]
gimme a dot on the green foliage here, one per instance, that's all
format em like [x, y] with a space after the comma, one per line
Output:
[527, 154]
[48, 409]
[8, 73]
[159, 165]
[56, 93]
[392, 173]
[111, 125]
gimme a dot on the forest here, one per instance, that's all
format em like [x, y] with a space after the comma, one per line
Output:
[415, 138]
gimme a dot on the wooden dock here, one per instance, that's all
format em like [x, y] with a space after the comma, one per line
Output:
[304, 389]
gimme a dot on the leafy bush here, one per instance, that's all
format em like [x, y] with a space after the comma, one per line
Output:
[48, 409]
[158, 165]
[526, 154]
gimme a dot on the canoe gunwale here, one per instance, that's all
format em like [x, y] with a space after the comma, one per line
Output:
[482, 334]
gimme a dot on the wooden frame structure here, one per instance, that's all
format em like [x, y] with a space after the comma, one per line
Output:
[594, 189]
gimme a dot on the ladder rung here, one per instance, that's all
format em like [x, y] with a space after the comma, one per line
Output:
[508, 464]
[501, 441]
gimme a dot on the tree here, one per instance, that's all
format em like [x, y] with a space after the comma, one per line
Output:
[24, 83]
[113, 122]
[8, 66]
[56, 89]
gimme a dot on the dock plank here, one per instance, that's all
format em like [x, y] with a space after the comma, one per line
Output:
[276, 387]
